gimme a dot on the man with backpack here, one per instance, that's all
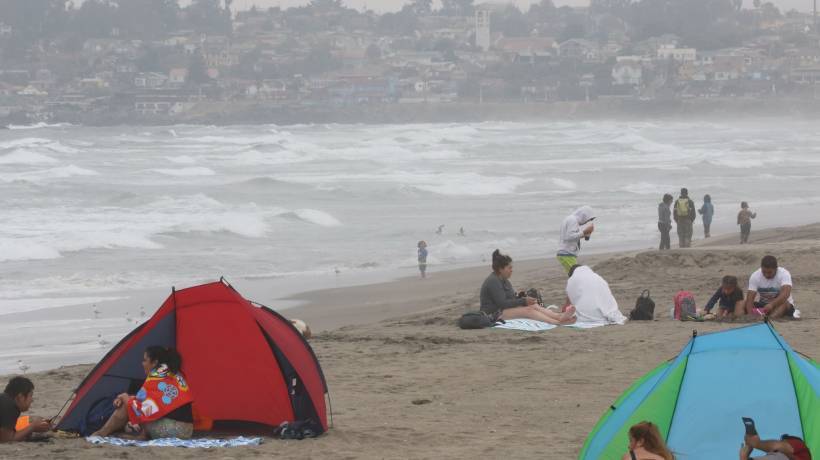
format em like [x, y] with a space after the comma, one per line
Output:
[684, 215]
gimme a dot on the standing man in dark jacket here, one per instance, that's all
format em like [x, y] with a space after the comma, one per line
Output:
[684, 215]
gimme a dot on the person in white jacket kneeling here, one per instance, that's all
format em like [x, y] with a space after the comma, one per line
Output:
[593, 300]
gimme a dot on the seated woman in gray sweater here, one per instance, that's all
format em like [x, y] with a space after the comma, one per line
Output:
[497, 295]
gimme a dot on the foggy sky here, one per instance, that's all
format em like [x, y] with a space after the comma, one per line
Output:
[390, 5]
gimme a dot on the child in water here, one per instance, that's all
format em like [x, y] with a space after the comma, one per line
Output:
[729, 298]
[423, 258]
[744, 219]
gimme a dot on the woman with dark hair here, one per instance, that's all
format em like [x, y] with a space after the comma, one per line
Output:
[646, 443]
[162, 407]
[498, 297]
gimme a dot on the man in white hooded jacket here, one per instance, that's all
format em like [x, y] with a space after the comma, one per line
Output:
[576, 226]
[592, 298]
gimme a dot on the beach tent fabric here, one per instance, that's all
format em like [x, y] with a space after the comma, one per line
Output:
[246, 365]
[697, 399]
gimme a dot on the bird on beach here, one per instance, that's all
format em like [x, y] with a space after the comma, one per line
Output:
[96, 311]
[142, 312]
[336, 270]
[127, 317]
[22, 366]
[101, 340]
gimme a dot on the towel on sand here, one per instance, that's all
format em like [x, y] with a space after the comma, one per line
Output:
[593, 300]
[202, 443]
[536, 326]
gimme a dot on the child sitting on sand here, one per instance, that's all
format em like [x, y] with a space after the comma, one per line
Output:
[744, 219]
[729, 298]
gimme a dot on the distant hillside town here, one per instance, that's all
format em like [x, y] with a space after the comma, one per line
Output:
[157, 61]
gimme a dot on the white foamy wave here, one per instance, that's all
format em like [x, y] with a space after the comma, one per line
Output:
[182, 160]
[186, 172]
[63, 172]
[449, 250]
[24, 249]
[642, 144]
[472, 184]
[40, 125]
[645, 188]
[25, 157]
[564, 183]
[317, 217]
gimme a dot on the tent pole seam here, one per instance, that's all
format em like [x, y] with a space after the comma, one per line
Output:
[683, 376]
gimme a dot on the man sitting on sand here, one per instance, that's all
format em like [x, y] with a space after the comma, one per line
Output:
[591, 297]
[17, 398]
[770, 291]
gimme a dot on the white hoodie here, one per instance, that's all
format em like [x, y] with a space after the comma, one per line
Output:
[592, 298]
[572, 230]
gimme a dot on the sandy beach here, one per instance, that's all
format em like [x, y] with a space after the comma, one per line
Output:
[405, 382]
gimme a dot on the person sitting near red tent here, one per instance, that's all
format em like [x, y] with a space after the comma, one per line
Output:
[646, 443]
[17, 398]
[162, 408]
[788, 448]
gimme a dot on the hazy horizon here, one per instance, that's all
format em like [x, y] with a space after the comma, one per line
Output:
[389, 5]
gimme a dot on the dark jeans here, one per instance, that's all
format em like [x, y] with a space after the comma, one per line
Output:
[685, 233]
[664, 229]
[745, 229]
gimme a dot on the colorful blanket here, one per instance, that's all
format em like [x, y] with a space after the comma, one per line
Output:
[199, 443]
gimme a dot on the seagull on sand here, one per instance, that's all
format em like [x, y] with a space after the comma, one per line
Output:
[22, 366]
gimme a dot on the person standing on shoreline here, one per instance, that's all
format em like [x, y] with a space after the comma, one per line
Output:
[707, 211]
[665, 221]
[576, 226]
[684, 216]
[423, 258]
[744, 219]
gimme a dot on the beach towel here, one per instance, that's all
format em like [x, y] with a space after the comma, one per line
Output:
[593, 300]
[162, 393]
[200, 443]
[532, 325]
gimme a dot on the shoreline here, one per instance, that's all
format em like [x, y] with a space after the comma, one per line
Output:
[366, 300]
[624, 109]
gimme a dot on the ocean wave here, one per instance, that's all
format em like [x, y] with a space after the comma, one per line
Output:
[16, 249]
[39, 125]
[314, 216]
[62, 172]
[25, 157]
[564, 183]
[193, 171]
[182, 160]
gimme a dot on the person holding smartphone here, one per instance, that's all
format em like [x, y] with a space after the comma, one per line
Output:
[787, 448]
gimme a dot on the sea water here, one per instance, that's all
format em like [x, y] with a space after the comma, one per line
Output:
[90, 215]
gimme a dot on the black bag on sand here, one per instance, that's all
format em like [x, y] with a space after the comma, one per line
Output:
[644, 308]
[478, 320]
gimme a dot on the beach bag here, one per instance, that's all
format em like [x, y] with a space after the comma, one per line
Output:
[644, 308]
[478, 320]
[97, 415]
[682, 207]
[685, 309]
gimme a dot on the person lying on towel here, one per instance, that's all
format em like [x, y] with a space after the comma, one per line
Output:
[162, 407]
[590, 295]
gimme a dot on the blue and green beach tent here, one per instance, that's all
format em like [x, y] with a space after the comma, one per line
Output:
[697, 399]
